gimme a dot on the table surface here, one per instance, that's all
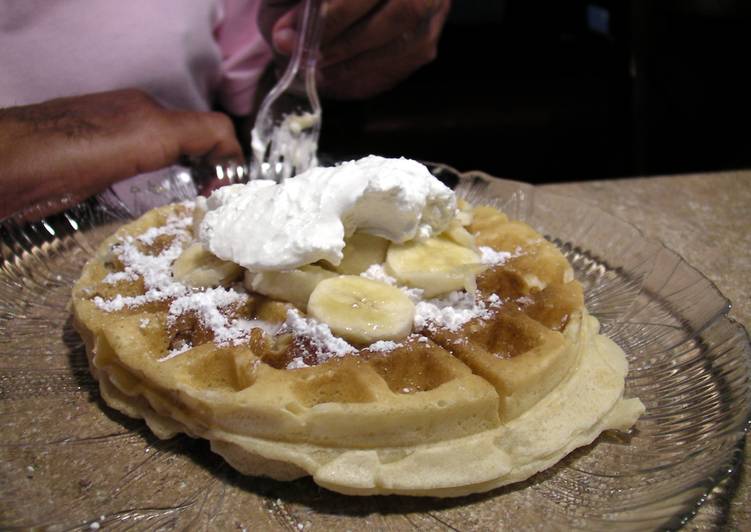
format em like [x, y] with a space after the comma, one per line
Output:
[706, 218]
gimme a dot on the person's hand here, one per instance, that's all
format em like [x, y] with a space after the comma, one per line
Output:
[368, 46]
[77, 146]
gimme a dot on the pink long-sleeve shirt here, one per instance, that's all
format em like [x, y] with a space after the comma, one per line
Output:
[188, 54]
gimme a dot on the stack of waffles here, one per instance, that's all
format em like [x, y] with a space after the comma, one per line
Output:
[435, 367]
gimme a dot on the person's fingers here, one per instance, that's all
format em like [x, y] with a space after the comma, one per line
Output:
[269, 13]
[376, 70]
[78, 146]
[149, 137]
[208, 135]
[395, 19]
[338, 15]
[284, 34]
[371, 72]
[342, 14]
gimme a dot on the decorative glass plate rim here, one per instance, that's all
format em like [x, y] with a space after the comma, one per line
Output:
[735, 458]
[689, 508]
[521, 185]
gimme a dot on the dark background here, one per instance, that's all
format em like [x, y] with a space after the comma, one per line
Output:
[551, 91]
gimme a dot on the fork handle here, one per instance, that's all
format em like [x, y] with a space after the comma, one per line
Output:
[310, 33]
[300, 71]
[311, 28]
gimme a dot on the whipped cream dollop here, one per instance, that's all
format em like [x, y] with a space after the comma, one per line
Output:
[266, 226]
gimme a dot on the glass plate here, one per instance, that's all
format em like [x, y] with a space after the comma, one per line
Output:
[68, 461]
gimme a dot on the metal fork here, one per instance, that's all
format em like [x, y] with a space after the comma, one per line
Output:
[285, 134]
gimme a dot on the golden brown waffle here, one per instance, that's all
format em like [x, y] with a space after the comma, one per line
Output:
[447, 412]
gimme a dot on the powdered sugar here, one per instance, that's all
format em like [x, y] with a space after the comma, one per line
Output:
[297, 363]
[116, 277]
[207, 306]
[414, 294]
[119, 302]
[382, 346]
[450, 312]
[155, 270]
[492, 257]
[377, 272]
[210, 305]
[186, 346]
[321, 338]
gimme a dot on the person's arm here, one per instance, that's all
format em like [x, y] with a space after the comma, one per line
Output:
[77, 146]
[368, 46]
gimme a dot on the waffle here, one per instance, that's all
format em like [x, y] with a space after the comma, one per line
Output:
[446, 412]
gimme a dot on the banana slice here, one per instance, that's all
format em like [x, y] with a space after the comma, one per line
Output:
[456, 232]
[437, 265]
[464, 212]
[198, 267]
[362, 250]
[362, 311]
[294, 286]
[199, 212]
